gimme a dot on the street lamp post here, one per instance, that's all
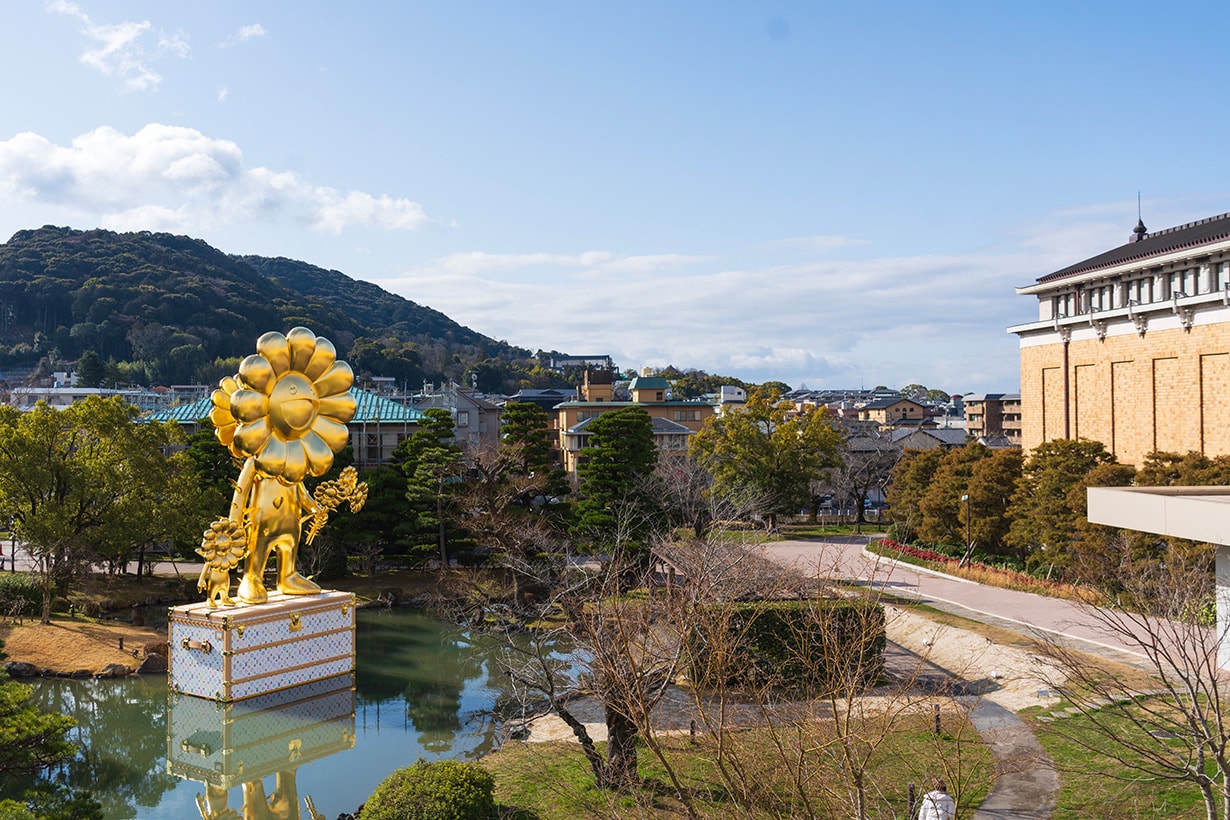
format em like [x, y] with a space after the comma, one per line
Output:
[969, 539]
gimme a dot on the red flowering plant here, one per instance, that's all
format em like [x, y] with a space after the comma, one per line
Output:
[974, 571]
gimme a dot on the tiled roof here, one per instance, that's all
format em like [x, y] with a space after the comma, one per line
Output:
[880, 404]
[370, 409]
[373, 409]
[649, 383]
[947, 435]
[1191, 235]
[658, 425]
[189, 413]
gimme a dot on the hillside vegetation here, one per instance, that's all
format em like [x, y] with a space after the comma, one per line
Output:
[159, 308]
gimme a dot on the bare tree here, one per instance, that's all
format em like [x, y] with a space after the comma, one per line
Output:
[685, 629]
[1171, 726]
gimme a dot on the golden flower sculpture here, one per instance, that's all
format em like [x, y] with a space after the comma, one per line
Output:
[287, 407]
[285, 414]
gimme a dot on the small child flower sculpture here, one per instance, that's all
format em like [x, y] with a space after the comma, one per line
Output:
[285, 414]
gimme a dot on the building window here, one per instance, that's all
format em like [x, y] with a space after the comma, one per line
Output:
[463, 418]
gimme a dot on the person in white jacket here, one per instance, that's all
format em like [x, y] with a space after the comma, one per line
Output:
[937, 804]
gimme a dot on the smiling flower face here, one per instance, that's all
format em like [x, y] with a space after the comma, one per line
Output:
[287, 407]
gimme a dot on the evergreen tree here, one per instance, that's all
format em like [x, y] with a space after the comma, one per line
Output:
[1043, 516]
[910, 480]
[29, 739]
[431, 462]
[525, 425]
[91, 372]
[618, 507]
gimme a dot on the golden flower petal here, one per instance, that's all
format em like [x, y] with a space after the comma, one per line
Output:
[334, 434]
[257, 373]
[336, 380]
[249, 405]
[296, 466]
[339, 408]
[319, 454]
[221, 400]
[224, 425]
[274, 347]
[302, 345]
[229, 384]
[250, 438]
[271, 460]
[225, 432]
[322, 359]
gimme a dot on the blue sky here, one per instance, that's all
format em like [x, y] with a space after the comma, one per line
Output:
[829, 194]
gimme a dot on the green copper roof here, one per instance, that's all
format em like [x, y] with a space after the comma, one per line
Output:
[370, 409]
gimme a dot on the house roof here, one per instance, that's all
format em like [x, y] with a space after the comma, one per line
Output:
[882, 404]
[659, 426]
[370, 409]
[1191, 235]
[188, 413]
[949, 436]
[649, 383]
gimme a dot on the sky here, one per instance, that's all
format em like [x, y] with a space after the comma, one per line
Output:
[828, 194]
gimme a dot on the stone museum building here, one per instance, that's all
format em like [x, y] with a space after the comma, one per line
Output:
[1132, 347]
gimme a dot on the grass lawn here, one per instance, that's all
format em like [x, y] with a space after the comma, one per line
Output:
[552, 781]
[802, 529]
[1096, 785]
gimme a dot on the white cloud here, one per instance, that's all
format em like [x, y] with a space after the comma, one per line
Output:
[245, 34]
[118, 49]
[938, 319]
[180, 179]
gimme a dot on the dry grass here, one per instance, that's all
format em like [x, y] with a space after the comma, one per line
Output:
[68, 645]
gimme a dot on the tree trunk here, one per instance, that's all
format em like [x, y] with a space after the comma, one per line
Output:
[621, 771]
[48, 590]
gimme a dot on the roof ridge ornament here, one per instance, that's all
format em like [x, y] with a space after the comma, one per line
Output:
[1140, 232]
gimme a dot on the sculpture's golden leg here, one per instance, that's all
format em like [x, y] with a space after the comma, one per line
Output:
[284, 804]
[290, 582]
[252, 587]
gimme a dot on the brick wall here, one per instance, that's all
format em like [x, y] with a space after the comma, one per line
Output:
[1167, 390]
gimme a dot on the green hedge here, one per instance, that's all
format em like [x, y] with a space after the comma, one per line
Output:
[797, 645]
[443, 790]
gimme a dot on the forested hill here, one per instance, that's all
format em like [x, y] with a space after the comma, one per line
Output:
[168, 309]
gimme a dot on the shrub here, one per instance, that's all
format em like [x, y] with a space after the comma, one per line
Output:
[793, 644]
[443, 790]
[19, 595]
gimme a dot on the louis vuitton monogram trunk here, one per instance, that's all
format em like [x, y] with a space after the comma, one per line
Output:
[234, 653]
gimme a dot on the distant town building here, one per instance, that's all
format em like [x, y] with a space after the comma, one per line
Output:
[562, 363]
[1132, 347]
[674, 421]
[378, 426]
[992, 416]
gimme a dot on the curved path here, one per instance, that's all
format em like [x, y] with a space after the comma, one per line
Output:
[842, 557]
[1026, 786]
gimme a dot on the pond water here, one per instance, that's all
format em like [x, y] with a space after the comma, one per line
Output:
[423, 688]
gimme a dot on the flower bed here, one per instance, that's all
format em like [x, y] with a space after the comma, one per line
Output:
[977, 571]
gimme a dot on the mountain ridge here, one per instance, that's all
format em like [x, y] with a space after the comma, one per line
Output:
[174, 308]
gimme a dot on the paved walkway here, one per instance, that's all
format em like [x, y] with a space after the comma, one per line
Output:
[1035, 616]
[1027, 785]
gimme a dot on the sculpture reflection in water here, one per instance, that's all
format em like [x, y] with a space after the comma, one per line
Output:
[241, 744]
[284, 415]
